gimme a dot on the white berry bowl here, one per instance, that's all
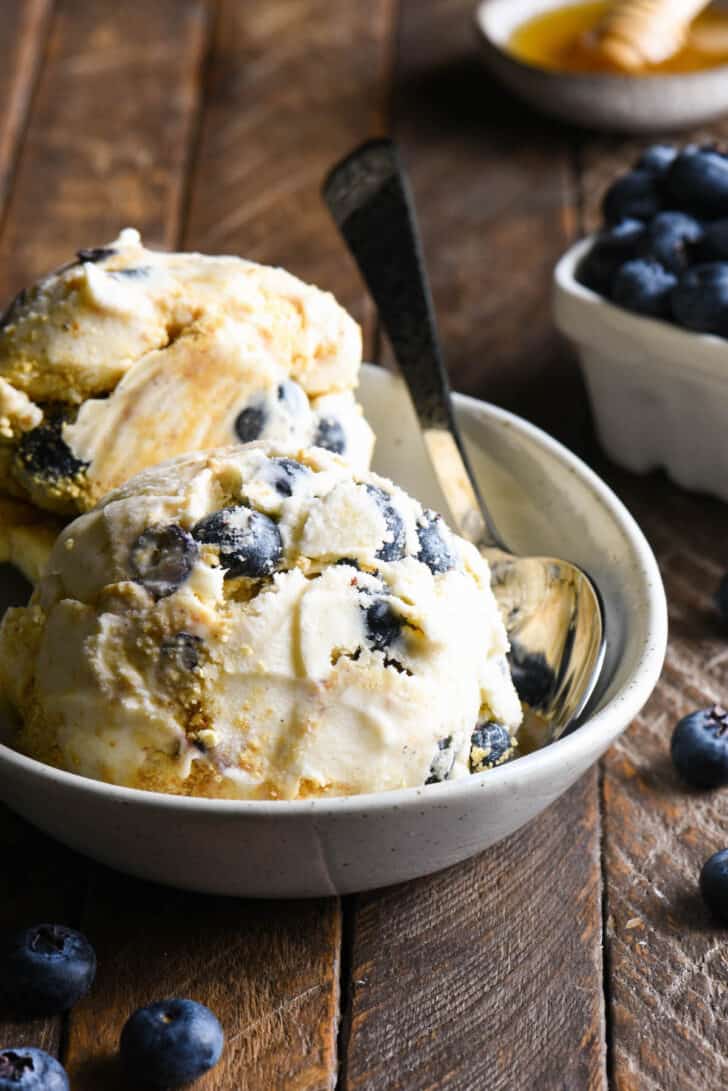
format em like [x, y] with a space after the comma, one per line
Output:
[545, 500]
[628, 104]
[659, 393]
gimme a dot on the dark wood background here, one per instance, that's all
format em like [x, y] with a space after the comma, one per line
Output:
[577, 954]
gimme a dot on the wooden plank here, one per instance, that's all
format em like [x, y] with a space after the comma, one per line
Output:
[108, 139]
[489, 975]
[294, 85]
[21, 48]
[263, 967]
[668, 979]
[668, 960]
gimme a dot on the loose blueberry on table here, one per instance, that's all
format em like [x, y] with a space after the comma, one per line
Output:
[714, 885]
[663, 252]
[28, 1069]
[170, 1043]
[700, 747]
[46, 969]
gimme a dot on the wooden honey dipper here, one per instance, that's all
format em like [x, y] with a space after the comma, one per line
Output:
[637, 33]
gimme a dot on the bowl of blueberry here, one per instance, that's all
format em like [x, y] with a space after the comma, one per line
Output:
[645, 301]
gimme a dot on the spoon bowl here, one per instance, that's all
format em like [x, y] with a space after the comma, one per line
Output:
[551, 609]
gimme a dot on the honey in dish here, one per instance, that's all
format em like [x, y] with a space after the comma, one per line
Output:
[557, 40]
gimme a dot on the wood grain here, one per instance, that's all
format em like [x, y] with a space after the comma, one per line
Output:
[294, 85]
[107, 142]
[488, 975]
[668, 978]
[264, 968]
[494, 187]
[24, 29]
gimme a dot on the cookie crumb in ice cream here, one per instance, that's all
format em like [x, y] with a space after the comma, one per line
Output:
[214, 633]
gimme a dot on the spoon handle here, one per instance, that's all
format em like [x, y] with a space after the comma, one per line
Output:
[370, 200]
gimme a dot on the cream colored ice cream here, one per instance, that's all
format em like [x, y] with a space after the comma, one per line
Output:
[129, 356]
[259, 623]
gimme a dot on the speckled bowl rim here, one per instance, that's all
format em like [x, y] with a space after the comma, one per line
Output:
[607, 79]
[598, 728]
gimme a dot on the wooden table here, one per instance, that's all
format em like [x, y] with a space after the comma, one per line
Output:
[577, 954]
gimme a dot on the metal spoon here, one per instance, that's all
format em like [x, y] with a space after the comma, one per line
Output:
[551, 608]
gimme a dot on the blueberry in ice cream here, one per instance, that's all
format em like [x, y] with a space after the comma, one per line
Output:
[128, 356]
[170, 1043]
[45, 969]
[491, 745]
[206, 631]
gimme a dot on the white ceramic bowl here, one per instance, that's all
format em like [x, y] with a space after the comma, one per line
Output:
[627, 104]
[545, 500]
[659, 393]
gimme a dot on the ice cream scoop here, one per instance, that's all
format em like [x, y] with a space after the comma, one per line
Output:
[128, 356]
[261, 622]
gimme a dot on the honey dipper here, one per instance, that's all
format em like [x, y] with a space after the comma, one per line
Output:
[637, 33]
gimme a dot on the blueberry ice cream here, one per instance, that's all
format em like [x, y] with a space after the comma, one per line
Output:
[262, 622]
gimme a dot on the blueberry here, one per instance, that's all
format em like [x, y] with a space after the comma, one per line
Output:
[287, 471]
[250, 423]
[330, 435]
[29, 1069]
[671, 238]
[443, 761]
[700, 299]
[721, 597]
[657, 159]
[609, 251]
[181, 651]
[250, 543]
[162, 558]
[170, 1043]
[382, 623]
[434, 550]
[714, 243]
[644, 287]
[490, 745]
[46, 969]
[44, 454]
[393, 548]
[699, 747]
[633, 196]
[698, 181]
[714, 885]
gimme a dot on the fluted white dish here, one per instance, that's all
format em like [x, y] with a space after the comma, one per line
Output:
[659, 393]
[546, 500]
